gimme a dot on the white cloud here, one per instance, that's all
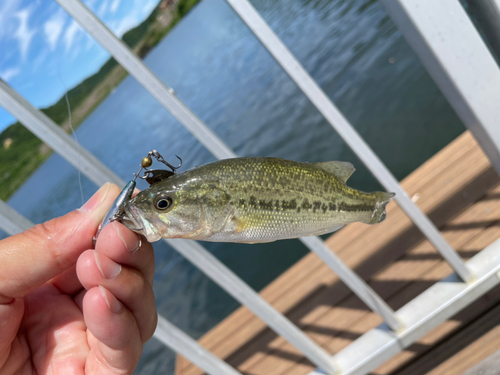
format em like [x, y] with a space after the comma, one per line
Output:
[103, 9]
[71, 34]
[9, 73]
[23, 33]
[53, 28]
[115, 5]
[7, 9]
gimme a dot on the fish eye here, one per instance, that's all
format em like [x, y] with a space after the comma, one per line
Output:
[163, 202]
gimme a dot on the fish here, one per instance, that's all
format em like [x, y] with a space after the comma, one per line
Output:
[253, 200]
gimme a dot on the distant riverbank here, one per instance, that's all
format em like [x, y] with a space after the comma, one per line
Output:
[21, 152]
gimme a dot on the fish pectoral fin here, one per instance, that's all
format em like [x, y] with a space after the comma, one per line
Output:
[329, 230]
[234, 224]
[341, 169]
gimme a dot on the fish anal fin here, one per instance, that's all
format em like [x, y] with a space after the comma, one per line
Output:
[341, 169]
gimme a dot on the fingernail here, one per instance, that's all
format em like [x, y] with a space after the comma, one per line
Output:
[113, 304]
[96, 199]
[134, 245]
[108, 268]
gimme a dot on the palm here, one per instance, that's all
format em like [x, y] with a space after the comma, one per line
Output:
[53, 334]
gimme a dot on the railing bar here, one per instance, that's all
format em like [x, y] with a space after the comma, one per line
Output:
[54, 136]
[137, 69]
[354, 282]
[11, 221]
[449, 46]
[425, 312]
[186, 346]
[316, 95]
[248, 297]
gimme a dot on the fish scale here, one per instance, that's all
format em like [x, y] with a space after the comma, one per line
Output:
[254, 199]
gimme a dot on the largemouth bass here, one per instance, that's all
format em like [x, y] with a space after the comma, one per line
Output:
[253, 199]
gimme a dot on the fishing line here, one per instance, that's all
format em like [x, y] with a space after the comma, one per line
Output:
[70, 122]
[72, 132]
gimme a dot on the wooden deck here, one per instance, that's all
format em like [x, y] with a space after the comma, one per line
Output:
[460, 192]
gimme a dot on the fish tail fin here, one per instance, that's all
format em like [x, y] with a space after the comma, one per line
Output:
[379, 212]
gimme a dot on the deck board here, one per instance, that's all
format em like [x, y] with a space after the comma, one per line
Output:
[459, 191]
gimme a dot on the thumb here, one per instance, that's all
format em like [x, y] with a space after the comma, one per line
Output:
[31, 258]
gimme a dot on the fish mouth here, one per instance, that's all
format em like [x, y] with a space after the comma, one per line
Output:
[131, 219]
[134, 220]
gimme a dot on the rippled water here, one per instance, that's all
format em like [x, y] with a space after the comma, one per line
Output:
[220, 70]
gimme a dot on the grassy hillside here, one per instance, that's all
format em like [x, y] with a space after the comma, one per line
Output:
[21, 152]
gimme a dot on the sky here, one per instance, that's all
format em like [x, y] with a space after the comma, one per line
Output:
[44, 52]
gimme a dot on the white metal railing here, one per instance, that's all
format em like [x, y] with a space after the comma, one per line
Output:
[11, 221]
[400, 329]
[424, 313]
[53, 135]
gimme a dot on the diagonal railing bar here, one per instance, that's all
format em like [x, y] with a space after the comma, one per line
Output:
[54, 136]
[12, 223]
[355, 282]
[425, 312]
[179, 342]
[452, 51]
[247, 296]
[137, 69]
[325, 106]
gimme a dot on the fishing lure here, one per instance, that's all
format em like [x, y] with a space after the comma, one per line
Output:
[116, 210]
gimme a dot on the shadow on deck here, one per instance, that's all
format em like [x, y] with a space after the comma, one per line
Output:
[460, 192]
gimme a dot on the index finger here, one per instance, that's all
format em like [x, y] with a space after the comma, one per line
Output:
[31, 258]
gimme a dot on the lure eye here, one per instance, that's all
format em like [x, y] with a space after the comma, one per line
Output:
[163, 202]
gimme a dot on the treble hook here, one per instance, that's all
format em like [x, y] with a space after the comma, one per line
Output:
[160, 158]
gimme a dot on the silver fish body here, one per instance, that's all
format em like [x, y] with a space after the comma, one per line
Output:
[253, 199]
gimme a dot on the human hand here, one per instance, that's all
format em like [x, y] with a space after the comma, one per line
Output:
[65, 309]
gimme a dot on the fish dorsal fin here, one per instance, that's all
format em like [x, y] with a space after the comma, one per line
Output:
[341, 169]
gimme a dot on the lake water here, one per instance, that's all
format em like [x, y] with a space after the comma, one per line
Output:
[220, 70]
